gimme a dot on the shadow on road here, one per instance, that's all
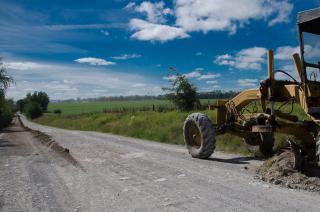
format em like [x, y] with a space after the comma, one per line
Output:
[237, 160]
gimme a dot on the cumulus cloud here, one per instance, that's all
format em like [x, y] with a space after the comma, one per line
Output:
[170, 77]
[290, 69]
[199, 54]
[209, 76]
[286, 52]
[155, 12]
[193, 74]
[138, 85]
[312, 52]
[247, 82]
[212, 82]
[23, 65]
[155, 32]
[94, 61]
[205, 16]
[196, 74]
[126, 56]
[245, 59]
[221, 15]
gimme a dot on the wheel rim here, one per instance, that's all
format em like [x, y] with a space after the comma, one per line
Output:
[194, 136]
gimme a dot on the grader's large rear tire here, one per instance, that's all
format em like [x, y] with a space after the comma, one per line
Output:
[199, 135]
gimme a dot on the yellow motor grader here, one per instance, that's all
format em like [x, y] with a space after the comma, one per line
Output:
[258, 128]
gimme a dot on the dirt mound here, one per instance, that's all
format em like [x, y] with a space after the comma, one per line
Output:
[279, 171]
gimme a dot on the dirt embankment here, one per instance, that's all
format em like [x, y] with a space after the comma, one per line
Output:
[50, 142]
[279, 171]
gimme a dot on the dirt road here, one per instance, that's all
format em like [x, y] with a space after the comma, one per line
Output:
[115, 173]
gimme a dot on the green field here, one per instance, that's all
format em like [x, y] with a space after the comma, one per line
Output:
[92, 107]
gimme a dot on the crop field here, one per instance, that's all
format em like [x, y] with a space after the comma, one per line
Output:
[114, 106]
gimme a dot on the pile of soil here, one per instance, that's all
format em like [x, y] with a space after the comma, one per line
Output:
[279, 171]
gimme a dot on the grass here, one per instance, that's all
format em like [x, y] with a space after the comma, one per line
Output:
[93, 107]
[163, 127]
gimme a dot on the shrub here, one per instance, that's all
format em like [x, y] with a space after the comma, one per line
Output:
[57, 111]
[6, 116]
[33, 110]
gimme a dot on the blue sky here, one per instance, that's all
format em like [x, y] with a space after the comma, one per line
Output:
[97, 48]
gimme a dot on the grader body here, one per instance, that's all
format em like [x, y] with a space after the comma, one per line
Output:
[257, 128]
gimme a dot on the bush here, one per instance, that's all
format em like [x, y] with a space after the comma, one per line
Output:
[6, 116]
[33, 110]
[57, 111]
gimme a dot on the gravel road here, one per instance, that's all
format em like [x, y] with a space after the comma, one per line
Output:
[115, 173]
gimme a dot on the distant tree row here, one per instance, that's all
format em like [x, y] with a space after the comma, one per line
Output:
[216, 94]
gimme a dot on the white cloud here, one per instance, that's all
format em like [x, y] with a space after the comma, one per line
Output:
[23, 65]
[209, 76]
[72, 81]
[246, 59]
[247, 82]
[126, 56]
[286, 52]
[282, 9]
[312, 52]
[155, 12]
[196, 74]
[204, 15]
[94, 61]
[106, 33]
[130, 6]
[290, 69]
[155, 32]
[199, 69]
[222, 15]
[170, 77]
[193, 74]
[138, 85]
[212, 82]
[199, 54]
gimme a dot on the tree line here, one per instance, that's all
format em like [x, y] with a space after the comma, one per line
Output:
[216, 94]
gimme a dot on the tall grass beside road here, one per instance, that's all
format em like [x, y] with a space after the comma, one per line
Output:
[165, 127]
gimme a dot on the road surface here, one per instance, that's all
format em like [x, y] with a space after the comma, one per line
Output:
[115, 173]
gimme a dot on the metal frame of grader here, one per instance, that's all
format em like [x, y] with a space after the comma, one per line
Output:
[259, 128]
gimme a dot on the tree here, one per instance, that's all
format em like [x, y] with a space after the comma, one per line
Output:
[40, 97]
[5, 79]
[20, 105]
[182, 93]
[6, 106]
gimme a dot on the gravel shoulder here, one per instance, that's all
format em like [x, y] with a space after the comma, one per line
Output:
[115, 173]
